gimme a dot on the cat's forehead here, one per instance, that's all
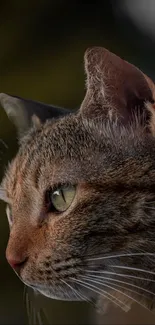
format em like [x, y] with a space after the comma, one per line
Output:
[47, 152]
[71, 149]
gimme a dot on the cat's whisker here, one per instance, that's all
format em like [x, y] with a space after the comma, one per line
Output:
[133, 269]
[28, 305]
[76, 292]
[116, 290]
[103, 293]
[124, 275]
[119, 255]
[126, 288]
[39, 318]
[34, 313]
[124, 282]
[34, 316]
[42, 317]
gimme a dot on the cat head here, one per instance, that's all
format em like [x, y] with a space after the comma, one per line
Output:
[80, 192]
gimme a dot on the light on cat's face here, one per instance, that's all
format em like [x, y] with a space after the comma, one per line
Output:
[57, 201]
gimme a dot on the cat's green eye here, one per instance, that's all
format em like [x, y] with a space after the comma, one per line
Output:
[61, 198]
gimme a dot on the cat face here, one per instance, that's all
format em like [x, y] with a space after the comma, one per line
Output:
[80, 192]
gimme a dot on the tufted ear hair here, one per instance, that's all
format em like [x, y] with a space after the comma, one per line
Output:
[115, 87]
[24, 112]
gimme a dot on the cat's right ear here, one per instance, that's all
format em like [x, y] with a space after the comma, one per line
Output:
[116, 88]
[24, 112]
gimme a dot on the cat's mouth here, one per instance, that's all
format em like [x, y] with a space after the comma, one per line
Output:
[114, 283]
[61, 287]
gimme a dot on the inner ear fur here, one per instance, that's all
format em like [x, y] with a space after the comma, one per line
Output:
[116, 87]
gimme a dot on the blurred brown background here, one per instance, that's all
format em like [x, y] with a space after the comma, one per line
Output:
[41, 57]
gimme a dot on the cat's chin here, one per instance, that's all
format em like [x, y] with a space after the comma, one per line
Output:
[56, 293]
[58, 296]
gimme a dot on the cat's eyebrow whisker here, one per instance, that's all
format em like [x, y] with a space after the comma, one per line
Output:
[116, 290]
[124, 275]
[102, 292]
[119, 255]
[133, 269]
[124, 282]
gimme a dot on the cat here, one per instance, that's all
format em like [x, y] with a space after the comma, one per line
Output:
[80, 192]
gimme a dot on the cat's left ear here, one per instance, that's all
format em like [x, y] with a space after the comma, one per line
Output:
[116, 87]
[24, 113]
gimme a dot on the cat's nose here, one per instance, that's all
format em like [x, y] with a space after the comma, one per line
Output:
[16, 264]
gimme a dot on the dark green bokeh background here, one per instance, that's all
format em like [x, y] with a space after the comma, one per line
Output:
[41, 57]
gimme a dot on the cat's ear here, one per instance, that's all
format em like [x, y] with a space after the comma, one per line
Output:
[115, 87]
[24, 113]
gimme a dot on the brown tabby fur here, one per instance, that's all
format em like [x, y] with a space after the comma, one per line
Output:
[107, 149]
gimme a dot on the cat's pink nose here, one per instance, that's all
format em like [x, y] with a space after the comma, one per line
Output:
[16, 264]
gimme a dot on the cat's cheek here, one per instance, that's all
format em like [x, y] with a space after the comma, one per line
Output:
[27, 276]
